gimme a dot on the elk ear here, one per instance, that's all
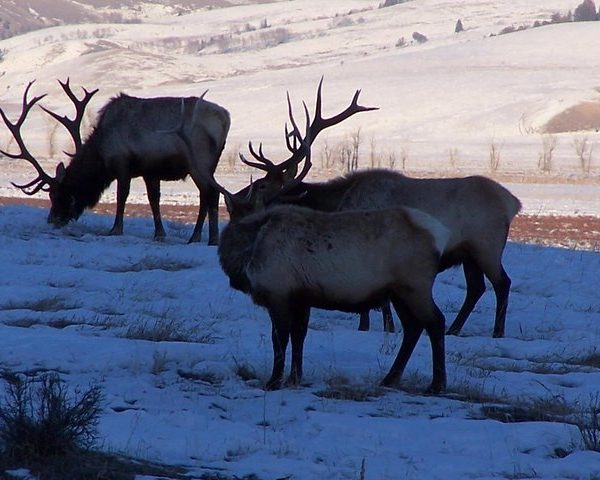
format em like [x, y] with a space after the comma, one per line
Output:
[60, 172]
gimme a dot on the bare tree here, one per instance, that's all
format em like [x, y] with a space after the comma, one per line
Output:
[584, 149]
[545, 159]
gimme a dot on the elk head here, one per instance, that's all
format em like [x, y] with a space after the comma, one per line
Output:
[63, 205]
[257, 196]
[281, 179]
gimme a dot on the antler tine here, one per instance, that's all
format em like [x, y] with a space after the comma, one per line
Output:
[263, 163]
[300, 145]
[303, 151]
[73, 125]
[24, 154]
[41, 185]
[320, 123]
[295, 133]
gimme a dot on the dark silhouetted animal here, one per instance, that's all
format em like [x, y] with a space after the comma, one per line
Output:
[477, 210]
[133, 137]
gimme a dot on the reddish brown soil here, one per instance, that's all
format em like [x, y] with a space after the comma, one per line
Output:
[581, 232]
[582, 117]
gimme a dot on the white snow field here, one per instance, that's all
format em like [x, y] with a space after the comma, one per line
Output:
[83, 304]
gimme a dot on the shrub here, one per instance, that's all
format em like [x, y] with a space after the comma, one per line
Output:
[39, 420]
[585, 11]
[588, 422]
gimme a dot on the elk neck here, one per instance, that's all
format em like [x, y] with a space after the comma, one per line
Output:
[236, 246]
[86, 175]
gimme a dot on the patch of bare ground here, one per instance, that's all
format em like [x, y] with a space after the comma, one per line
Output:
[582, 232]
[573, 232]
[582, 117]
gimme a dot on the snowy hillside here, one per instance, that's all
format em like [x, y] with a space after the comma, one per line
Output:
[443, 103]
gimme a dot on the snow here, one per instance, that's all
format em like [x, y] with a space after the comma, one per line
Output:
[72, 299]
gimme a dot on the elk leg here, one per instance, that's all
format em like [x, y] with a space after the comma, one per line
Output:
[435, 331]
[197, 233]
[280, 333]
[298, 331]
[123, 185]
[153, 191]
[364, 323]
[388, 319]
[416, 316]
[209, 203]
[475, 289]
[411, 329]
[213, 216]
[501, 285]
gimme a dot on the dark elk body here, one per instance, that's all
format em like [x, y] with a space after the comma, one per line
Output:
[134, 137]
[478, 212]
[290, 259]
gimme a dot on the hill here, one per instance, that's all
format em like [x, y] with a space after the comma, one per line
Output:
[472, 102]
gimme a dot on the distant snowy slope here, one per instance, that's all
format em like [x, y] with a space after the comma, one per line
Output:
[442, 103]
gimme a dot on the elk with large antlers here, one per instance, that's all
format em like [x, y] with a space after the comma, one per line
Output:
[478, 212]
[133, 137]
[290, 259]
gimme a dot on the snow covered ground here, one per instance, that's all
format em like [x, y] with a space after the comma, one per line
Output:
[84, 304]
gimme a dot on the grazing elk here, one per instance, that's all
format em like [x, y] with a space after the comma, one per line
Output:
[133, 137]
[478, 212]
[290, 259]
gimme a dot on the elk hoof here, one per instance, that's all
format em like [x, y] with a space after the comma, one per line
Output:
[453, 331]
[292, 381]
[498, 335]
[435, 389]
[115, 232]
[388, 381]
[273, 384]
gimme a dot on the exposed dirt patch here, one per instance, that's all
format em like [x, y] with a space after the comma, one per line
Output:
[569, 231]
[572, 232]
[585, 116]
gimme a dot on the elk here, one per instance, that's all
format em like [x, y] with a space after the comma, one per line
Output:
[477, 210]
[290, 259]
[133, 137]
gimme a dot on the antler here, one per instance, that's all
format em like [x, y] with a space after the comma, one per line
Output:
[298, 145]
[263, 164]
[300, 148]
[319, 123]
[73, 125]
[43, 180]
